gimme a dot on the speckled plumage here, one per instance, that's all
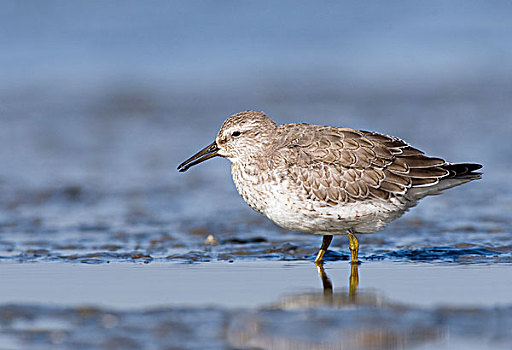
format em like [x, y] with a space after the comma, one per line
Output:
[328, 180]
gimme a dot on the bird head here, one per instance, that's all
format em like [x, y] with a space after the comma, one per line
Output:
[241, 137]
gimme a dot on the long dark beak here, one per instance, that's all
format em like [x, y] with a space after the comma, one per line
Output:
[206, 153]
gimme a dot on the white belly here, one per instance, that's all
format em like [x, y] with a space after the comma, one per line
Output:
[286, 205]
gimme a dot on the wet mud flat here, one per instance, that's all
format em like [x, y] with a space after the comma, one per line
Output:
[94, 225]
[256, 305]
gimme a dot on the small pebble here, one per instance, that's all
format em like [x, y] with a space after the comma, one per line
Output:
[211, 240]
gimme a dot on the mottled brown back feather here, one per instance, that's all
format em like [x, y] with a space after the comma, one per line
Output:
[339, 165]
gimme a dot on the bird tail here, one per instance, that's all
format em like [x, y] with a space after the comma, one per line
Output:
[458, 174]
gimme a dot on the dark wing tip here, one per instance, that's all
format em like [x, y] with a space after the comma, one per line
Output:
[463, 169]
[475, 166]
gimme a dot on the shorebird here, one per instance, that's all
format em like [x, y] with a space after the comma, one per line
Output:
[327, 180]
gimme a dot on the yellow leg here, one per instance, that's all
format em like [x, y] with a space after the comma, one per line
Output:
[353, 245]
[325, 244]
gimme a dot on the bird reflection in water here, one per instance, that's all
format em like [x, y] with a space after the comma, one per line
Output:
[353, 282]
[334, 320]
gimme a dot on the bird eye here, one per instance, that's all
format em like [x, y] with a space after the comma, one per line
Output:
[236, 133]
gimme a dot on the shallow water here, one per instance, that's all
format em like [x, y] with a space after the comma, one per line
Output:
[140, 286]
[256, 304]
[103, 244]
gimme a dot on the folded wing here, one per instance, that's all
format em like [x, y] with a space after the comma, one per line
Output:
[340, 165]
